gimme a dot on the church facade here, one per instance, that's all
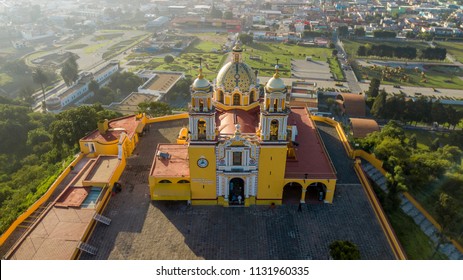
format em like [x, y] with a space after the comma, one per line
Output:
[242, 148]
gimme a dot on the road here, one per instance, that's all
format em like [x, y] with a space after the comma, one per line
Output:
[351, 79]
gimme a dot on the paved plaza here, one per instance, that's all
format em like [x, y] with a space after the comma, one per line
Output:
[142, 229]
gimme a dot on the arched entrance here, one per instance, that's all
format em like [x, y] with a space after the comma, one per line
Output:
[236, 188]
[292, 193]
[316, 193]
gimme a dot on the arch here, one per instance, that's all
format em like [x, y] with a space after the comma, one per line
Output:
[183, 182]
[236, 99]
[220, 96]
[251, 97]
[292, 193]
[236, 191]
[274, 124]
[201, 105]
[165, 182]
[316, 193]
[201, 129]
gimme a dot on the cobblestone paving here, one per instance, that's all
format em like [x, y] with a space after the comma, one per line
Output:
[141, 229]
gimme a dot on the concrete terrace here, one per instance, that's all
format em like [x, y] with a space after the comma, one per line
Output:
[143, 229]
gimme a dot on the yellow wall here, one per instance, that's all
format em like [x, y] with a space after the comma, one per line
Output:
[242, 107]
[272, 163]
[174, 191]
[382, 218]
[203, 180]
[168, 118]
[329, 183]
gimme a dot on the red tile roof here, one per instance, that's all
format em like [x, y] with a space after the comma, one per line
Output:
[248, 120]
[311, 156]
[362, 127]
[353, 104]
[116, 127]
[175, 166]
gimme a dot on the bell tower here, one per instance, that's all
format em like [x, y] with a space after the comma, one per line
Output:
[274, 114]
[201, 109]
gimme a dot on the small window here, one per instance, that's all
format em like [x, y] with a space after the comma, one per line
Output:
[183, 182]
[236, 158]
[165, 182]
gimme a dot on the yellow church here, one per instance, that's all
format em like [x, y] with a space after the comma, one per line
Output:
[242, 148]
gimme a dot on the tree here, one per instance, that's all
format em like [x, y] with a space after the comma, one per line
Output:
[362, 51]
[70, 71]
[435, 144]
[410, 35]
[384, 34]
[359, 32]
[246, 38]
[373, 90]
[412, 142]
[155, 109]
[168, 59]
[331, 45]
[26, 95]
[215, 13]
[447, 215]
[228, 15]
[93, 86]
[40, 77]
[344, 250]
[343, 30]
[334, 53]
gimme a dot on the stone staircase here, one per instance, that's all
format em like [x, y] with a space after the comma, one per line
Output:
[425, 225]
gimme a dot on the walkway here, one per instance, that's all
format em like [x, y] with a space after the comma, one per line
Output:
[426, 226]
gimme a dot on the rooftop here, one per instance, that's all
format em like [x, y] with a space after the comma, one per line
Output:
[353, 104]
[162, 81]
[362, 127]
[311, 157]
[102, 170]
[61, 227]
[175, 166]
[127, 124]
[248, 120]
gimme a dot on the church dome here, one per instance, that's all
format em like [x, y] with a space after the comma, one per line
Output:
[275, 83]
[235, 74]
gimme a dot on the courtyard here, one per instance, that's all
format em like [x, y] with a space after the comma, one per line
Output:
[143, 229]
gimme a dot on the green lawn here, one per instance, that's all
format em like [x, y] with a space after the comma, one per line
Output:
[5, 79]
[122, 46]
[335, 68]
[264, 56]
[425, 138]
[453, 48]
[94, 48]
[435, 76]
[416, 244]
[189, 62]
[107, 36]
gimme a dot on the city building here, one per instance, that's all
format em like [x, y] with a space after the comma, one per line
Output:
[242, 149]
